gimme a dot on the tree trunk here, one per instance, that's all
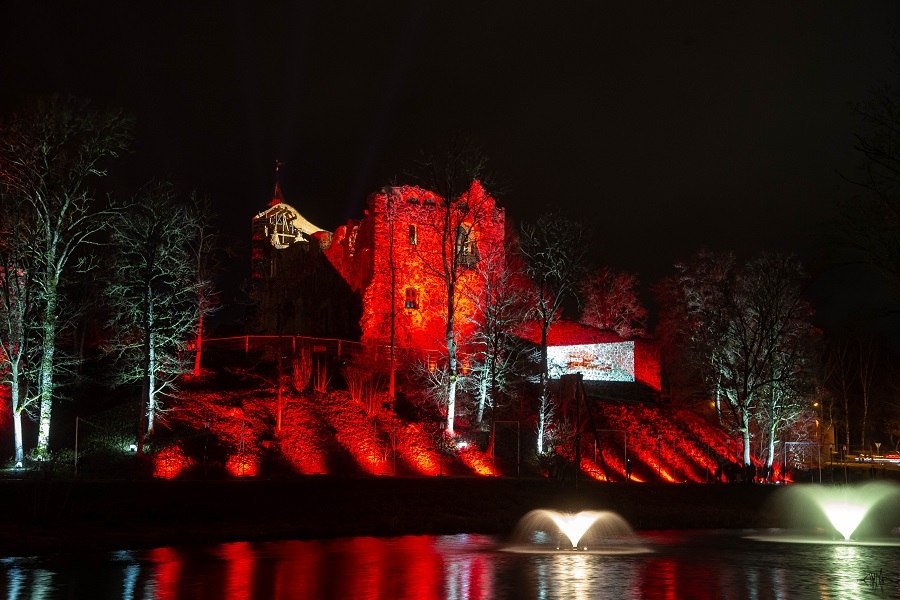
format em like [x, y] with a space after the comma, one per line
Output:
[540, 428]
[198, 355]
[151, 386]
[142, 416]
[745, 434]
[17, 432]
[147, 384]
[451, 402]
[45, 385]
[482, 398]
[846, 422]
[544, 400]
[15, 393]
[451, 355]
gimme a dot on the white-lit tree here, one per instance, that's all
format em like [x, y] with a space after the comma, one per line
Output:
[152, 297]
[748, 329]
[455, 175]
[50, 153]
[553, 250]
[16, 313]
[501, 309]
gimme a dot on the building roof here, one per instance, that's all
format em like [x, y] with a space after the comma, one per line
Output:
[570, 333]
[292, 216]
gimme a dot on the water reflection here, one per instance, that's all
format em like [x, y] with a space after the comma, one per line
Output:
[681, 565]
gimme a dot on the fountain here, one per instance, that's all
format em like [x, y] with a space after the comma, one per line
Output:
[846, 510]
[592, 531]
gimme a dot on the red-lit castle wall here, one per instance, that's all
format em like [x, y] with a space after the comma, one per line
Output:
[414, 219]
[646, 364]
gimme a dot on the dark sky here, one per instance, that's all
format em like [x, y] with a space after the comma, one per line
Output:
[665, 128]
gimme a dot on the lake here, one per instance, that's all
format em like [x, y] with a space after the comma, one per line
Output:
[673, 564]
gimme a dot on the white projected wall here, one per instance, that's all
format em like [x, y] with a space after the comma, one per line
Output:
[596, 362]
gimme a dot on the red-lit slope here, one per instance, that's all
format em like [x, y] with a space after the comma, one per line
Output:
[662, 442]
[330, 433]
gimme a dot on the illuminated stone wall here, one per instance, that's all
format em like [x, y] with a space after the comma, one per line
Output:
[414, 220]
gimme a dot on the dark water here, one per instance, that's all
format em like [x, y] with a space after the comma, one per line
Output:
[694, 565]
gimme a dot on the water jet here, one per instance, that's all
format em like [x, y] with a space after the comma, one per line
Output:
[590, 531]
[846, 511]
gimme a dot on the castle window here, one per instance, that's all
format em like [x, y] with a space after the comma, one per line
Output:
[466, 248]
[413, 239]
[429, 202]
[412, 298]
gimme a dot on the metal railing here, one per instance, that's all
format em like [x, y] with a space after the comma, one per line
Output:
[255, 344]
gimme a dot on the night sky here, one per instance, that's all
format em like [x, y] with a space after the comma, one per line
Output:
[664, 128]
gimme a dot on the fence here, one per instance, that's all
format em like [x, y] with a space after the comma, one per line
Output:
[257, 344]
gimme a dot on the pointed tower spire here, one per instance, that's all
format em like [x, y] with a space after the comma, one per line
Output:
[277, 197]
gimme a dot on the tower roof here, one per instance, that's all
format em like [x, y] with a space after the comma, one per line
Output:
[277, 196]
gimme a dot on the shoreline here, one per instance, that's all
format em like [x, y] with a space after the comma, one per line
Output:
[64, 516]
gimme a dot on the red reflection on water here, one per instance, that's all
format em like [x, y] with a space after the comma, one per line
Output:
[166, 573]
[298, 570]
[405, 568]
[469, 578]
[422, 574]
[673, 578]
[660, 578]
[365, 559]
[240, 564]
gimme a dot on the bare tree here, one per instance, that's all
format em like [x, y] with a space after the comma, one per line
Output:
[868, 366]
[554, 251]
[841, 373]
[794, 376]
[49, 154]
[611, 302]
[16, 312]
[500, 310]
[749, 331]
[455, 176]
[152, 297]
[868, 231]
[205, 249]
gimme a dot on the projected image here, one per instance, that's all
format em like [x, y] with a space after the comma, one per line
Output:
[596, 362]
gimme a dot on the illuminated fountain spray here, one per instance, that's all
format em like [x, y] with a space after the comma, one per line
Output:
[845, 507]
[574, 526]
[596, 531]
